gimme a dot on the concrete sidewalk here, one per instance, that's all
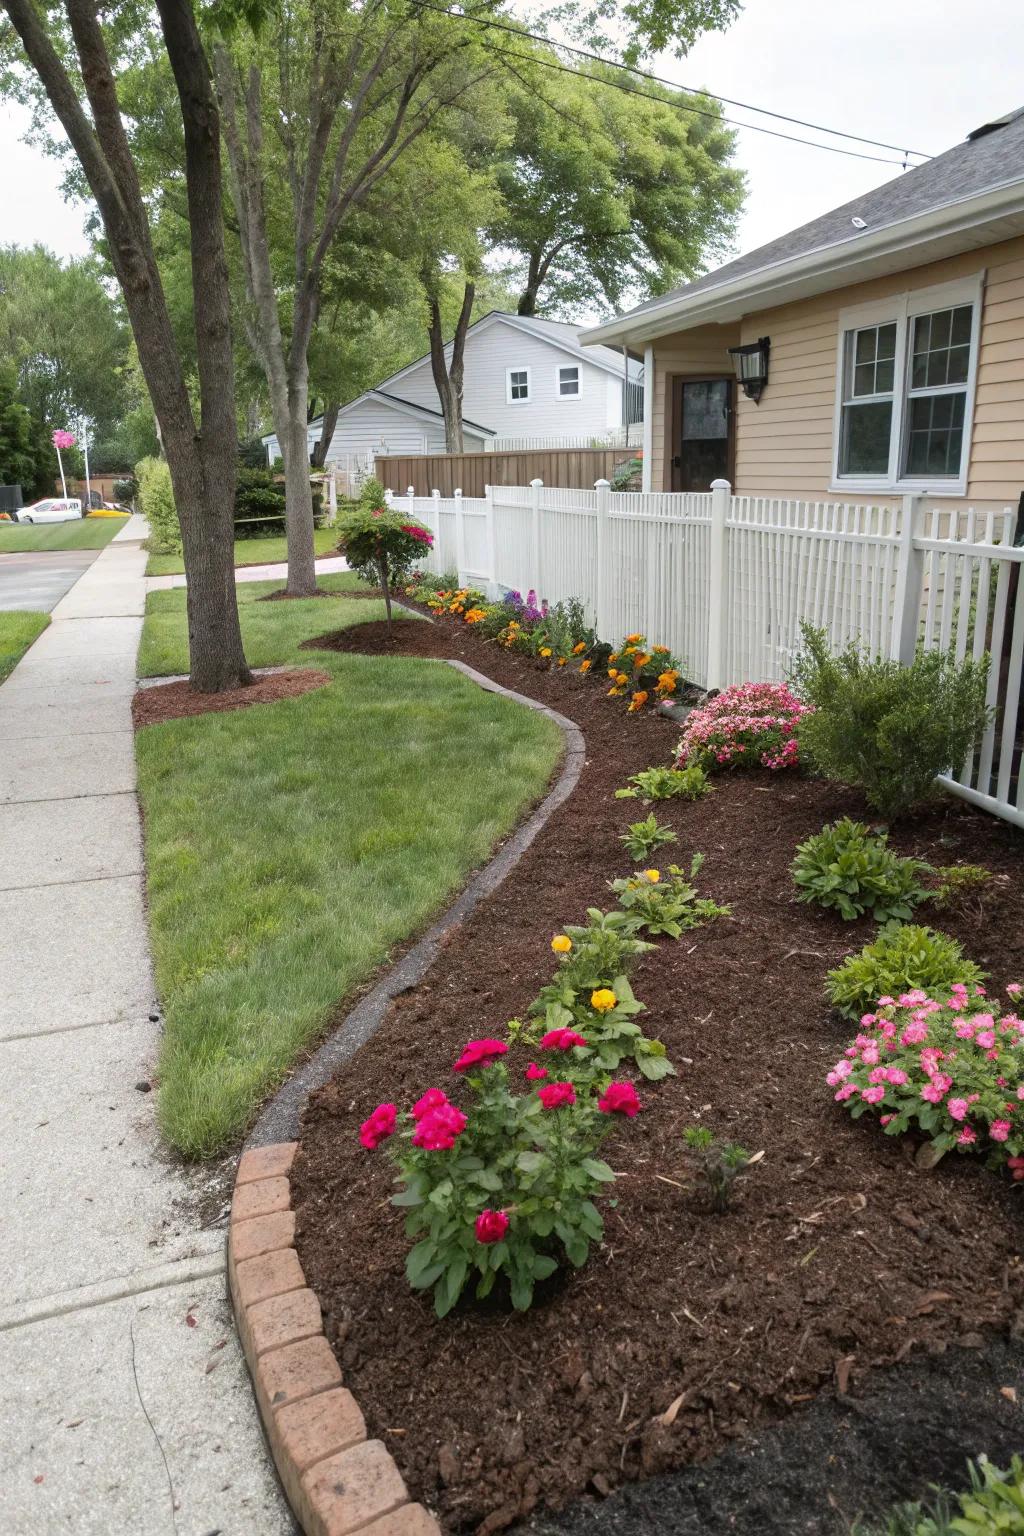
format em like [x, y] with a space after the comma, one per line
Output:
[126, 1403]
[277, 572]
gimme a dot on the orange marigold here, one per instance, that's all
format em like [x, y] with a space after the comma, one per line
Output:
[578, 648]
[640, 660]
[638, 701]
[585, 666]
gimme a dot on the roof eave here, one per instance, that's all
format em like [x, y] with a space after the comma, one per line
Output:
[784, 281]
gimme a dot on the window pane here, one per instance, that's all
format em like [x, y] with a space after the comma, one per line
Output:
[864, 447]
[568, 381]
[941, 351]
[883, 376]
[959, 358]
[935, 434]
[865, 349]
[887, 340]
[705, 410]
[864, 379]
[962, 318]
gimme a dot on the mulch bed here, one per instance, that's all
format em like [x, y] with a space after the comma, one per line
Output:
[283, 595]
[838, 1256]
[173, 701]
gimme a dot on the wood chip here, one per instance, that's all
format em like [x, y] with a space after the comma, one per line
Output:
[843, 1368]
[1010, 1393]
[671, 1412]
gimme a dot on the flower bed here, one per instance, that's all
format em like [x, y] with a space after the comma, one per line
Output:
[686, 1328]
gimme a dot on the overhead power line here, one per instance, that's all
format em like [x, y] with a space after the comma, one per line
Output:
[491, 24]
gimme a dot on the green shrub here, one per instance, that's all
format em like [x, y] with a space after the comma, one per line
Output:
[665, 906]
[667, 784]
[884, 727]
[259, 503]
[642, 837]
[904, 958]
[156, 503]
[381, 545]
[847, 867]
[126, 489]
[958, 882]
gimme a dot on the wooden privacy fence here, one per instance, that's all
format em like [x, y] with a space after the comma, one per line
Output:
[725, 581]
[472, 473]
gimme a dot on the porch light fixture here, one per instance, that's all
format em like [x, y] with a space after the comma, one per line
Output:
[751, 365]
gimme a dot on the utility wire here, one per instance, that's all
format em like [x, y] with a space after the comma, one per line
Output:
[597, 58]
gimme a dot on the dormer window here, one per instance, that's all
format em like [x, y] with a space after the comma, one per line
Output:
[517, 385]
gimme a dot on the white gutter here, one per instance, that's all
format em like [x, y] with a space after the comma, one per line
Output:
[772, 284]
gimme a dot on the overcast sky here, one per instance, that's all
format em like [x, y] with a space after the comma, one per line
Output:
[919, 73]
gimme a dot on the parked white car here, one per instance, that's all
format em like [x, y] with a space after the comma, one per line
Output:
[54, 509]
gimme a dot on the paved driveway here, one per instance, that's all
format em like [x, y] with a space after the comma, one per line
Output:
[36, 581]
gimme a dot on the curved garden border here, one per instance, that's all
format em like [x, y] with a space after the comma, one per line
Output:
[337, 1481]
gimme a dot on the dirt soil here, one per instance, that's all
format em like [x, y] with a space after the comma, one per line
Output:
[173, 701]
[838, 1256]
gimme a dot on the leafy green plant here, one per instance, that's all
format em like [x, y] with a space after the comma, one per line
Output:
[604, 1017]
[669, 906]
[259, 503]
[888, 728]
[720, 1163]
[642, 837]
[852, 870]
[506, 1188]
[156, 503]
[381, 545]
[957, 883]
[666, 784]
[992, 1506]
[905, 957]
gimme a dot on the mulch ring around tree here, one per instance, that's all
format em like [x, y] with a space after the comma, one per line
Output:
[173, 701]
[687, 1330]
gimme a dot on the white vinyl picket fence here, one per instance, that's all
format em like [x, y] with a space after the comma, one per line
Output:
[725, 581]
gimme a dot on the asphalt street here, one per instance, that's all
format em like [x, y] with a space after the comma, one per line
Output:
[36, 581]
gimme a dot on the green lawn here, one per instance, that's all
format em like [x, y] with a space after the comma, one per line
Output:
[249, 552]
[17, 632]
[82, 533]
[291, 846]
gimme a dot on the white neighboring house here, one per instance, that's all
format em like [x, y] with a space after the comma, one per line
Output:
[524, 378]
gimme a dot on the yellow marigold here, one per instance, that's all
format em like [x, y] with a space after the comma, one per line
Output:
[545, 650]
[615, 693]
[612, 672]
[630, 650]
[561, 943]
[561, 661]
[614, 656]
[603, 1000]
[621, 678]
[585, 666]
[653, 875]
[578, 648]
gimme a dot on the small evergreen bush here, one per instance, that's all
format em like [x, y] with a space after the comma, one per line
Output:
[904, 958]
[887, 728]
[156, 503]
[852, 870]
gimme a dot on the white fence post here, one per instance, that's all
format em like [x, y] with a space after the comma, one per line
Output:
[721, 491]
[535, 572]
[435, 512]
[906, 608]
[460, 535]
[492, 545]
[602, 607]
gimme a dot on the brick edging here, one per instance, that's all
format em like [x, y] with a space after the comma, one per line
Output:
[338, 1482]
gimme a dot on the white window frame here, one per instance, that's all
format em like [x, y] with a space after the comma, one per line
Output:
[568, 368]
[525, 399]
[903, 308]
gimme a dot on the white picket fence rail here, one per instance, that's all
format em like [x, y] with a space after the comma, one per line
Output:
[725, 581]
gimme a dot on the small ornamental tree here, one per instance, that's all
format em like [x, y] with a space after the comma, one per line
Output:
[382, 546]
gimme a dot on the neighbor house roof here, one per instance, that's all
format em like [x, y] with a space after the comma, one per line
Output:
[973, 194]
[405, 407]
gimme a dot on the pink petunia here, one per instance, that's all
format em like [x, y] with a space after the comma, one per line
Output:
[957, 1109]
[1000, 1129]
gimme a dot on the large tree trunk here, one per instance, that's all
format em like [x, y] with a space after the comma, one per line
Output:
[448, 377]
[330, 421]
[201, 457]
[298, 495]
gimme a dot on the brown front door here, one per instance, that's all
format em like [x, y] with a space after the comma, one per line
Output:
[701, 448]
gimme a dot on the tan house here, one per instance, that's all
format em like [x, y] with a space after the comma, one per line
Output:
[885, 340]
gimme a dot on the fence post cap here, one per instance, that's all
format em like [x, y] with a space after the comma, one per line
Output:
[600, 485]
[536, 482]
[458, 490]
[411, 491]
[720, 485]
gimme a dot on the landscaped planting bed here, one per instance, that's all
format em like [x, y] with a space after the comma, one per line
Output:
[687, 1329]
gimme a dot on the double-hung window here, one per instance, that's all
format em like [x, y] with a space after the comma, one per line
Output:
[567, 382]
[517, 385]
[905, 390]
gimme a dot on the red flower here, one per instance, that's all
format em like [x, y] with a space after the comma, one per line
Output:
[561, 1040]
[480, 1053]
[432, 1099]
[439, 1129]
[554, 1095]
[535, 1073]
[379, 1127]
[491, 1226]
[619, 1099]
[1016, 1166]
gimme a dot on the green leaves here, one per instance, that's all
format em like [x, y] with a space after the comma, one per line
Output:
[690, 783]
[642, 837]
[847, 868]
[901, 958]
[662, 905]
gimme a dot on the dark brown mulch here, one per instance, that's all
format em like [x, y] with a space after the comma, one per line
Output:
[283, 595]
[838, 1257]
[173, 701]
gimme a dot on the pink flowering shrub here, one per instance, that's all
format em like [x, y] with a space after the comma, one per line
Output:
[506, 1187]
[954, 1068]
[750, 725]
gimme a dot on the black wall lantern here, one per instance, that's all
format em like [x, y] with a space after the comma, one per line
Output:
[751, 365]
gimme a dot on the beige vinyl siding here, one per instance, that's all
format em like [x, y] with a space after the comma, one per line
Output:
[700, 352]
[784, 444]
